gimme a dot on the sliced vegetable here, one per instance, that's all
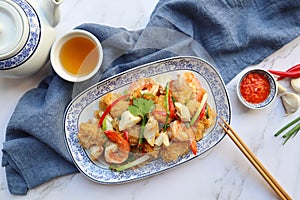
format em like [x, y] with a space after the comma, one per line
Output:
[132, 164]
[206, 112]
[202, 111]
[193, 146]
[106, 124]
[107, 110]
[170, 101]
[200, 108]
[126, 134]
[169, 105]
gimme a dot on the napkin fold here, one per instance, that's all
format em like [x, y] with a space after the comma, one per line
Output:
[230, 34]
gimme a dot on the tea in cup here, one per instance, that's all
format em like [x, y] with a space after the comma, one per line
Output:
[76, 56]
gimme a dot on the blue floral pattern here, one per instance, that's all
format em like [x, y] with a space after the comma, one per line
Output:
[32, 40]
[88, 100]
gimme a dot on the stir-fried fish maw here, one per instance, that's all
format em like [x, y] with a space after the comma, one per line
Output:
[163, 138]
[91, 138]
[95, 152]
[194, 84]
[142, 86]
[119, 108]
[151, 130]
[192, 105]
[106, 100]
[133, 135]
[174, 150]
[90, 135]
[128, 120]
[183, 112]
[181, 91]
[159, 113]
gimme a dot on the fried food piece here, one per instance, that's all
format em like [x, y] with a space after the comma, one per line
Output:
[174, 150]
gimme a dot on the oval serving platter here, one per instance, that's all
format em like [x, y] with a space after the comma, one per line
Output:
[82, 108]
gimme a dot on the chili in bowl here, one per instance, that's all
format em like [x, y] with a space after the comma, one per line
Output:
[257, 88]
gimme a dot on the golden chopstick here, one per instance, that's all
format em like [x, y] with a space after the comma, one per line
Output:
[255, 162]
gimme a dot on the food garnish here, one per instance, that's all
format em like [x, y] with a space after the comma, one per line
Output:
[134, 163]
[290, 133]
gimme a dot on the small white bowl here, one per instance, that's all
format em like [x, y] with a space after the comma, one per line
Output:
[56, 61]
[273, 89]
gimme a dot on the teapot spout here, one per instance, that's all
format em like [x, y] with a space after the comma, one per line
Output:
[51, 9]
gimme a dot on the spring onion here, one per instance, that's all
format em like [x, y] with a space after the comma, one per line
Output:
[133, 163]
[197, 114]
[292, 132]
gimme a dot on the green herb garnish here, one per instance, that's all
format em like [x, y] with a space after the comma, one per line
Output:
[131, 164]
[141, 107]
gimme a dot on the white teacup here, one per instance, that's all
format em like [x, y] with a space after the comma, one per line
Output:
[76, 56]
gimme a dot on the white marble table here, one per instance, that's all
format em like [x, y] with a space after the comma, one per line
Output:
[222, 173]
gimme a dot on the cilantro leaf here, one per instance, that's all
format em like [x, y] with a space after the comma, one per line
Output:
[141, 107]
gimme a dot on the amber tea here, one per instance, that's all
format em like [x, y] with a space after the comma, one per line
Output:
[79, 56]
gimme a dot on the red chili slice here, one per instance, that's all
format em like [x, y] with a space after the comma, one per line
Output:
[171, 104]
[107, 110]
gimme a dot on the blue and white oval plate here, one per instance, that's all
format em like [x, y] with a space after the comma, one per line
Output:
[83, 106]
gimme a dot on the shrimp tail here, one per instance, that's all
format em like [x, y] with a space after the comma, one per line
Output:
[115, 137]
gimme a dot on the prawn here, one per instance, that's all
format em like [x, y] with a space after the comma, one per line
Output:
[180, 132]
[194, 83]
[118, 151]
[142, 86]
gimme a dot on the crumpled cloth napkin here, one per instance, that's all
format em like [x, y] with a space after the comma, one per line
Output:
[230, 34]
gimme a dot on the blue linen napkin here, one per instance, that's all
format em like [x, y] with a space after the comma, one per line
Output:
[230, 34]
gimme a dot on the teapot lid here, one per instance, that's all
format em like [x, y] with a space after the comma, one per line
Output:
[19, 32]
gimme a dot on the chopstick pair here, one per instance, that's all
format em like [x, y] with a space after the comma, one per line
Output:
[254, 160]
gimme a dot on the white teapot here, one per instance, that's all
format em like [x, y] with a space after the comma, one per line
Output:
[26, 35]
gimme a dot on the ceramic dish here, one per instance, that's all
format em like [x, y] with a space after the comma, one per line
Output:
[82, 107]
[272, 91]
